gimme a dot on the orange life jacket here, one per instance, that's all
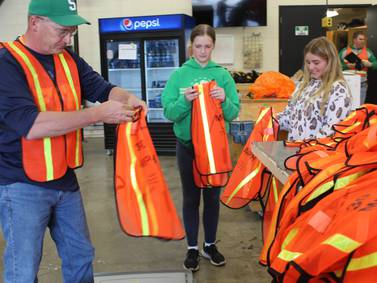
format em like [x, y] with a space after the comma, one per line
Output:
[212, 161]
[144, 205]
[246, 181]
[363, 55]
[47, 158]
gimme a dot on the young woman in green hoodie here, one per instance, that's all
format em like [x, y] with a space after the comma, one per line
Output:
[177, 100]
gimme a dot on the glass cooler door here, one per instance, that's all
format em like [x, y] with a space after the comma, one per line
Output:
[161, 59]
[123, 63]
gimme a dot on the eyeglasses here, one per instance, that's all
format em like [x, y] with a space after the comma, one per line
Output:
[64, 32]
[61, 32]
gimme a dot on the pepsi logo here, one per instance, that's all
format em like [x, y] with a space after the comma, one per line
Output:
[127, 23]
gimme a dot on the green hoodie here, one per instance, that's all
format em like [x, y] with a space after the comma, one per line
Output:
[178, 109]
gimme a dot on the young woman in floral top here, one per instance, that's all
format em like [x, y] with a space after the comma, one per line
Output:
[322, 99]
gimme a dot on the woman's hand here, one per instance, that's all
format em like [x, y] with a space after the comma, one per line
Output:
[218, 93]
[190, 94]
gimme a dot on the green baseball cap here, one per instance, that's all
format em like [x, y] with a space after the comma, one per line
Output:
[62, 12]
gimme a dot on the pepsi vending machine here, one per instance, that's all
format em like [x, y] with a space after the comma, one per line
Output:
[139, 54]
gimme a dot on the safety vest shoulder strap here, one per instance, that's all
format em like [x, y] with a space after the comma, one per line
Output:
[47, 159]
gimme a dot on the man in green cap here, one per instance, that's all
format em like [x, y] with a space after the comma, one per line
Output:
[42, 84]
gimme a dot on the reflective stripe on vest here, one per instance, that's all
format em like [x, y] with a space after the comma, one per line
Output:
[135, 187]
[144, 204]
[47, 158]
[76, 135]
[212, 160]
[207, 134]
[246, 181]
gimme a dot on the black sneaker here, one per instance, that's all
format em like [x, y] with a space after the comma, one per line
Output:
[214, 256]
[192, 260]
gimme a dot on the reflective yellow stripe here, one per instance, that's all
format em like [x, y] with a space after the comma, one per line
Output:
[34, 74]
[372, 121]
[350, 116]
[207, 134]
[362, 262]
[135, 185]
[320, 190]
[152, 211]
[246, 180]
[289, 237]
[77, 105]
[342, 182]
[288, 255]
[350, 128]
[261, 115]
[342, 243]
[47, 148]
[275, 189]
[46, 141]
[285, 254]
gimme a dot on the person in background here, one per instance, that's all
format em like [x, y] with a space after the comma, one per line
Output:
[177, 100]
[368, 60]
[41, 84]
[321, 99]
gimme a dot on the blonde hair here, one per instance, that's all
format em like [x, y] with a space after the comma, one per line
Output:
[325, 49]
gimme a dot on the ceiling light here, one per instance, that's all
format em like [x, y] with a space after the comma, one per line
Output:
[331, 13]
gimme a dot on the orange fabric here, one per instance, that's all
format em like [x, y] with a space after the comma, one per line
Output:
[323, 168]
[62, 147]
[246, 181]
[212, 160]
[272, 84]
[144, 204]
[362, 275]
[73, 138]
[269, 206]
[350, 212]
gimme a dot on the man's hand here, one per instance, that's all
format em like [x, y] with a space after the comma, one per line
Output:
[125, 97]
[115, 112]
[134, 102]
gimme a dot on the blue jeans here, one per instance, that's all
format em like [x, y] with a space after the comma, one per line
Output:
[25, 213]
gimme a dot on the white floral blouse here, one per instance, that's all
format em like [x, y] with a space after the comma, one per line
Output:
[307, 122]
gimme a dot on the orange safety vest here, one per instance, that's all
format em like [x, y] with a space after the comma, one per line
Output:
[248, 177]
[144, 204]
[321, 240]
[362, 265]
[47, 158]
[333, 175]
[269, 206]
[363, 55]
[212, 161]
[346, 143]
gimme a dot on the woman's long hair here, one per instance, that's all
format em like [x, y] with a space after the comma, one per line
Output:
[324, 48]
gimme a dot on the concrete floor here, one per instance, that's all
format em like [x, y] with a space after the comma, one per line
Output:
[239, 232]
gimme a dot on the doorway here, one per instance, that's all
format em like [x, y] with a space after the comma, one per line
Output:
[350, 18]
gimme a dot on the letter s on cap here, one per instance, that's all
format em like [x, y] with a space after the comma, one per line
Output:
[72, 5]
